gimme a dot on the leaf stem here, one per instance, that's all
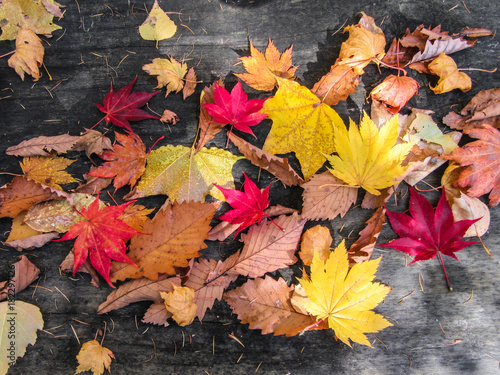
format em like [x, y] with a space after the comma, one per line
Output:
[8, 53]
[476, 69]
[308, 328]
[272, 221]
[390, 66]
[97, 123]
[154, 144]
[444, 270]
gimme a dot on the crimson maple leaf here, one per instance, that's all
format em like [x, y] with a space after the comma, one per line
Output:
[233, 108]
[122, 106]
[102, 235]
[427, 233]
[248, 205]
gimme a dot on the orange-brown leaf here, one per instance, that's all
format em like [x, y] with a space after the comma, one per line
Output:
[395, 92]
[362, 249]
[175, 235]
[157, 314]
[262, 69]
[180, 303]
[42, 146]
[190, 83]
[450, 77]
[325, 197]
[316, 239]
[28, 57]
[208, 127]
[24, 274]
[337, 84]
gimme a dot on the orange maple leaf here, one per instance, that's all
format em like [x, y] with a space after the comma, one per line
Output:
[264, 68]
[101, 234]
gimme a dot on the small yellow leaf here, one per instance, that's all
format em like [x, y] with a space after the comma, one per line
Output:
[170, 73]
[158, 25]
[180, 304]
[428, 131]
[94, 357]
[29, 54]
[47, 170]
[450, 77]
[345, 298]
[301, 124]
[369, 157]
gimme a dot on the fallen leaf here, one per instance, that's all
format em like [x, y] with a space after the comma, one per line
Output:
[157, 26]
[265, 304]
[247, 206]
[427, 233]
[262, 69]
[53, 8]
[395, 92]
[43, 146]
[126, 163]
[28, 320]
[142, 289]
[179, 303]
[21, 274]
[316, 239]
[234, 109]
[94, 357]
[28, 57]
[434, 47]
[481, 157]
[345, 297]
[279, 167]
[48, 171]
[398, 55]
[170, 73]
[450, 77]
[157, 314]
[92, 142]
[169, 117]
[175, 235]
[369, 157]
[22, 236]
[484, 108]
[208, 127]
[20, 194]
[325, 197]
[301, 124]
[100, 237]
[184, 174]
[135, 216]
[427, 130]
[122, 106]
[190, 84]
[362, 249]
[67, 264]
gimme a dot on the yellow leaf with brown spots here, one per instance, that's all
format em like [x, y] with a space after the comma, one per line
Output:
[47, 170]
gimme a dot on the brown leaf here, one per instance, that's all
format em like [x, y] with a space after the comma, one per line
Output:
[316, 239]
[362, 249]
[395, 92]
[20, 194]
[93, 184]
[450, 78]
[337, 84]
[175, 235]
[264, 304]
[398, 55]
[325, 197]
[271, 163]
[42, 146]
[23, 274]
[475, 32]
[484, 108]
[267, 248]
[137, 290]
[221, 231]
[68, 263]
[157, 314]
[93, 142]
[433, 48]
[190, 84]
[208, 127]
[28, 56]
[169, 117]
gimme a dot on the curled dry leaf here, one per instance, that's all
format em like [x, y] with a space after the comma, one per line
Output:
[395, 92]
[468, 208]
[450, 77]
[92, 142]
[169, 117]
[43, 146]
[94, 357]
[207, 125]
[190, 84]
[362, 249]
[28, 57]
[23, 275]
[179, 303]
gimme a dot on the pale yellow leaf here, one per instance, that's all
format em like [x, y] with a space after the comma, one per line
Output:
[94, 357]
[158, 25]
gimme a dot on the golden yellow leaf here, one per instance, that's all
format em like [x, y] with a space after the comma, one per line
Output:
[345, 298]
[315, 240]
[262, 69]
[369, 157]
[450, 77]
[28, 56]
[94, 357]
[26, 14]
[184, 174]
[180, 303]
[47, 170]
[158, 25]
[301, 124]
[170, 73]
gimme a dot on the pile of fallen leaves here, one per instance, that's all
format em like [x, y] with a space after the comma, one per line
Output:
[158, 259]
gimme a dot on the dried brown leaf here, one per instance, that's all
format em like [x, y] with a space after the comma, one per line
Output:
[24, 274]
[362, 249]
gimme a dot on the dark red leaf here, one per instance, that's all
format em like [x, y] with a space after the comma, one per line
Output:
[122, 106]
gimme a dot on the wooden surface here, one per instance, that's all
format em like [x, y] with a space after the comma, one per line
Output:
[435, 331]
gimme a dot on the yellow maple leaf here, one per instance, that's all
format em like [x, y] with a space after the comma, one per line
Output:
[47, 170]
[158, 25]
[450, 77]
[170, 73]
[301, 124]
[262, 69]
[345, 298]
[94, 357]
[369, 157]
[28, 56]
[184, 174]
[180, 304]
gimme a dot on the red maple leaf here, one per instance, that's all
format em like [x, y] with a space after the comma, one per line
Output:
[122, 106]
[102, 235]
[233, 108]
[427, 233]
[248, 205]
